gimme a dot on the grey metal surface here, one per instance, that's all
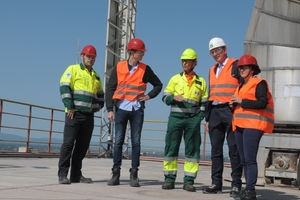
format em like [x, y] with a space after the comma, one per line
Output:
[277, 141]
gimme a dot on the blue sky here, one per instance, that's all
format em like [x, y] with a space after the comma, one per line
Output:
[38, 41]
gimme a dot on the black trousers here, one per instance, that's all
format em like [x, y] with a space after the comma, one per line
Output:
[77, 136]
[219, 128]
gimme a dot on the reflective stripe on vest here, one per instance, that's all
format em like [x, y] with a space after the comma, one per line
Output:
[194, 93]
[197, 103]
[257, 117]
[185, 110]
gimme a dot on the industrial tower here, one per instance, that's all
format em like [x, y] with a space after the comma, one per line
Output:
[120, 29]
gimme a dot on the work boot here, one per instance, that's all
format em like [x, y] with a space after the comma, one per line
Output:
[189, 188]
[81, 179]
[247, 195]
[168, 186]
[115, 179]
[234, 192]
[213, 189]
[63, 180]
[134, 180]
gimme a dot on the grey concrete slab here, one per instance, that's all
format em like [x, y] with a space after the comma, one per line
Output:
[36, 179]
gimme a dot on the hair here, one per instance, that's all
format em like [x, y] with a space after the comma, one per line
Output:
[255, 69]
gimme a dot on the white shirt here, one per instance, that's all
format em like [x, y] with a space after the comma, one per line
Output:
[220, 67]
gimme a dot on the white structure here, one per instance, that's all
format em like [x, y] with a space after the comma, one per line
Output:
[273, 37]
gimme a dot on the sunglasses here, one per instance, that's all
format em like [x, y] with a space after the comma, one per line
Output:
[139, 52]
[217, 50]
[186, 61]
[90, 57]
[244, 67]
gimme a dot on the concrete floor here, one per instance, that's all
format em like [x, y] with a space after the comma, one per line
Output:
[36, 179]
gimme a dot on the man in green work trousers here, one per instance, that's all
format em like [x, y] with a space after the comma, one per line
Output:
[187, 95]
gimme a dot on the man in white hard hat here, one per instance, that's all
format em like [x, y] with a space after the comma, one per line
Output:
[223, 81]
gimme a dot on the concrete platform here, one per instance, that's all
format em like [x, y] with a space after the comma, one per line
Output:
[36, 179]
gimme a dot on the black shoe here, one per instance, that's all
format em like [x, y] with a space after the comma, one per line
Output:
[81, 179]
[213, 189]
[235, 191]
[168, 186]
[247, 195]
[134, 180]
[63, 180]
[115, 179]
[189, 188]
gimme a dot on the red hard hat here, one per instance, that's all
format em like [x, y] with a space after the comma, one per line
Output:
[136, 44]
[249, 60]
[89, 50]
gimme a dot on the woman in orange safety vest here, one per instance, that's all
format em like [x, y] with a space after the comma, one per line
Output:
[253, 116]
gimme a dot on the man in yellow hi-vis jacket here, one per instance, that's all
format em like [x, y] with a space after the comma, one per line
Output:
[187, 95]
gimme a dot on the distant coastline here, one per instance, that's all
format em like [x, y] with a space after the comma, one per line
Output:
[12, 143]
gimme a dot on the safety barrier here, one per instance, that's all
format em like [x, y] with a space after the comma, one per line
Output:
[37, 131]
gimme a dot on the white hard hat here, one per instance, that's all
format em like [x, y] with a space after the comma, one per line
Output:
[215, 43]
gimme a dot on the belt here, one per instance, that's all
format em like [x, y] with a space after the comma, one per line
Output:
[85, 113]
[220, 105]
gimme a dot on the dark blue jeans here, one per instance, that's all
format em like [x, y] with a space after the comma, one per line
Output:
[247, 141]
[136, 120]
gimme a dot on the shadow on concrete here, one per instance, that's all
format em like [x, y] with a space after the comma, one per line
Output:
[274, 195]
[10, 166]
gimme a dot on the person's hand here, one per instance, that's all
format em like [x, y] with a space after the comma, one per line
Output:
[70, 113]
[144, 98]
[235, 99]
[202, 115]
[206, 127]
[231, 105]
[179, 98]
[111, 116]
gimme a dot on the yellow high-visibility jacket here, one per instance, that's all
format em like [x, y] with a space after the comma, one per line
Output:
[81, 90]
[195, 95]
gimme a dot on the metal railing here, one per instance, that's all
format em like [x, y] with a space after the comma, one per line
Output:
[37, 130]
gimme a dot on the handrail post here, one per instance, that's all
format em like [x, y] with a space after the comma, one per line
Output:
[50, 131]
[1, 109]
[28, 129]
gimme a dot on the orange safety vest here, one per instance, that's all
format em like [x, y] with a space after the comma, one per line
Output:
[130, 86]
[222, 88]
[261, 119]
